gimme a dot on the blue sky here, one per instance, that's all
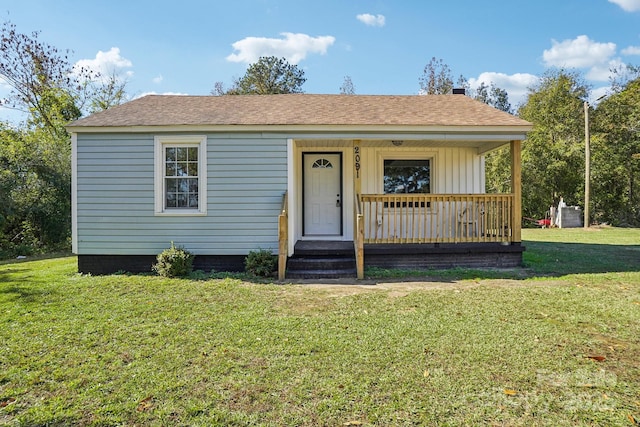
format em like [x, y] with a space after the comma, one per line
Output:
[383, 45]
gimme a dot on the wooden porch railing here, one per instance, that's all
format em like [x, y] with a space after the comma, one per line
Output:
[358, 238]
[283, 237]
[437, 218]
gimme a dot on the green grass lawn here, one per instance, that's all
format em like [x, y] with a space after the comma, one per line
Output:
[557, 343]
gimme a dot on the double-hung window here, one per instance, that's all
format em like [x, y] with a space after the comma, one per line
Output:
[181, 175]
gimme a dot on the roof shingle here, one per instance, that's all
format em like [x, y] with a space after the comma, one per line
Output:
[302, 109]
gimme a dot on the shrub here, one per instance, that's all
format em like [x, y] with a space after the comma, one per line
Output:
[261, 263]
[174, 262]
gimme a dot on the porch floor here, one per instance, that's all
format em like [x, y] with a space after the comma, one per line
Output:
[334, 247]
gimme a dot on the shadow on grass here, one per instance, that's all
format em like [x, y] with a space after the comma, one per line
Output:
[19, 283]
[6, 273]
[579, 258]
[541, 259]
[25, 294]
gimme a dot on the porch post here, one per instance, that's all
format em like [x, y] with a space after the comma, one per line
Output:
[358, 218]
[357, 183]
[516, 190]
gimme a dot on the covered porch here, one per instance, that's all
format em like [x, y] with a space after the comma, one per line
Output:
[411, 230]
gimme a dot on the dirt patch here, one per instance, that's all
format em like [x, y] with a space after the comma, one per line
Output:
[400, 288]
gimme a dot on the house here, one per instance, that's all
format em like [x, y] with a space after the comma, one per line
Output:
[390, 181]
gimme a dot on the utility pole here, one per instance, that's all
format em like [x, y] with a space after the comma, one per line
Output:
[587, 164]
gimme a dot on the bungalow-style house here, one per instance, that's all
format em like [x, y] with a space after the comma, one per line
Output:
[330, 183]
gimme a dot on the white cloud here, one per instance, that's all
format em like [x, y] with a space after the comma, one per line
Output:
[157, 80]
[602, 72]
[631, 50]
[293, 47]
[516, 85]
[371, 20]
[581, 52]
[156, 93]
[627, 5]
[107, 64]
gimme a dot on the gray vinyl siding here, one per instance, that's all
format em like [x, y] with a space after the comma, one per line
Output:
[246, 177]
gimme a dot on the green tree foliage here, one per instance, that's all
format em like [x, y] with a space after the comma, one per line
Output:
[106, 92]
[497, 163]
[36, 193]
[270, 75]
[43, 83]
[615, 161]
[553, 154]
[494, 96]
[35, 156]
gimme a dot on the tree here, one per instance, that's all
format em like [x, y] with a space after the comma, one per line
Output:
[347, 87]
[616, 157]
[553, 156]
[494, 96]
[35, 157]
[218, 89]
[35, 181]
[622, 75]
[270, 75]
[436, 78]
[43, 83]
[104, 93]
[497, 163]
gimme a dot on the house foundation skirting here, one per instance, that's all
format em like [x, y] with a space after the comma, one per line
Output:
[109, 264]
[400, 256]
[443, 256]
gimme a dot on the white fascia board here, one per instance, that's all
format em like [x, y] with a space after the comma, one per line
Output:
[512, 132]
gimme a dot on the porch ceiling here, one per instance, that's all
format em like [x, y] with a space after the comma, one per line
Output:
[480, 145]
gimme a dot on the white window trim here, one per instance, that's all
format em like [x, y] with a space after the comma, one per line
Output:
[160, 142]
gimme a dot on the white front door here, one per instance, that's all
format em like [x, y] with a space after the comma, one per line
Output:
[322, 194]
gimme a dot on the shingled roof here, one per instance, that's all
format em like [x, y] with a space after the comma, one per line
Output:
[302, 109]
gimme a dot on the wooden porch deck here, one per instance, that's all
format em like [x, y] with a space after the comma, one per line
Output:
[424, 231]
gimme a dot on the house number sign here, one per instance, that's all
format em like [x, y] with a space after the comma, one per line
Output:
[356, 152]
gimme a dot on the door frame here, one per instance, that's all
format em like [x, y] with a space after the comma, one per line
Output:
[341, 172]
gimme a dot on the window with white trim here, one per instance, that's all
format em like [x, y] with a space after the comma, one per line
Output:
[180, 175]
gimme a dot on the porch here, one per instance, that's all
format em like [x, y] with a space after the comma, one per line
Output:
[411, 203]
[412, 231]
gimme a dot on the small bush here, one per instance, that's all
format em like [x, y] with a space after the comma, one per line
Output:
[174, 262]
[261, 263]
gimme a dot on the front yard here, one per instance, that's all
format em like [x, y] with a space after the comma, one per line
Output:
[557, 343]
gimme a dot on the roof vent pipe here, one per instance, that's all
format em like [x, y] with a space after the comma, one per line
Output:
[458, 91]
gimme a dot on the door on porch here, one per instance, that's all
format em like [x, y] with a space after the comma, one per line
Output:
[322, 194]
